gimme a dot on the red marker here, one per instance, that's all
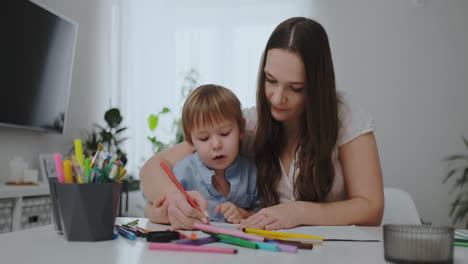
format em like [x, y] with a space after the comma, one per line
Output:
[179, 186]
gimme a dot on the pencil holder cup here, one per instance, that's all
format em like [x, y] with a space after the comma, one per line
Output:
[87, 211]
[418, 244]
[55, 210]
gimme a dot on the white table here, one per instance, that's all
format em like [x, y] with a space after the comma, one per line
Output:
[42, 245]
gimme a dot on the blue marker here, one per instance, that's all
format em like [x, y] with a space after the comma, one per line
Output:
[125, 233]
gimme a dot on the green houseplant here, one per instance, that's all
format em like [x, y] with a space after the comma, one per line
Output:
[189, 83]
[110, 136]
[458, 169]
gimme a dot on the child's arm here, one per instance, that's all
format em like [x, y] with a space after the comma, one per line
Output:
[232, 213]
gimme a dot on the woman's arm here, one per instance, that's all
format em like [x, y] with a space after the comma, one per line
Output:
[167, 204]
[363, 177]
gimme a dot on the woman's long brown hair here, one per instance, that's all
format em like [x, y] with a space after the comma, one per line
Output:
[319, 121]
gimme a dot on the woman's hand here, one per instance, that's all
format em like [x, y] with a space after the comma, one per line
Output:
[281, 216]
[181, 214]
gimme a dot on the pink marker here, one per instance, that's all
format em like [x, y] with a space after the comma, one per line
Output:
[59, 167]
[218, 230]
[178, 247]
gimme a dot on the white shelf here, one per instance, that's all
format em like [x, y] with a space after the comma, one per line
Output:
[15, 191]
[18, 193]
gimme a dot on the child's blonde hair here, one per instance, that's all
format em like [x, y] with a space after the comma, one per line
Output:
[210, 104]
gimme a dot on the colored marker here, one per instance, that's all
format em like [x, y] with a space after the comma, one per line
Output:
[178, 247]
[235, 241]
[87, 166]
[179, 186]
[291, 243]
[79, 151]
[460, 244]
[283, 247]
[279, 234]
[267, 246]
[67, 171]
[135, 231]
[59, 167]
[125, 233]
[78, 172]
[295, 240]
[143, 229]
[199, 241]
[132, 223]
[218, 230]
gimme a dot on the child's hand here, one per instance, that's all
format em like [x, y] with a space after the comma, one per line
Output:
[231, 213]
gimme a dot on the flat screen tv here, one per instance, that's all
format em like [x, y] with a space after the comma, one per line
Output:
[36, 60]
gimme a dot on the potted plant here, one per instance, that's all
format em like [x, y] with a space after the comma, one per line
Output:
[189, 83]
[458, 169]
[109, 136]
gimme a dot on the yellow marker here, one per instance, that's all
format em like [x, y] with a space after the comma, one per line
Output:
[279, 234]
[78, 171]
[315, 242]
[122, 174]
[79, 152]
[67, 171]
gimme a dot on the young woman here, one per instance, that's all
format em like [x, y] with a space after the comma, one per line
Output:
[316, 153]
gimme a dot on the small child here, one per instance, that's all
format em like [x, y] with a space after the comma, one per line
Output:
[213, 125]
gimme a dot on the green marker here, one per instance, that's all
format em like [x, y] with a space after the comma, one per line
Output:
[461, 244]
[267, 246]
[87, 164]
[234, 241]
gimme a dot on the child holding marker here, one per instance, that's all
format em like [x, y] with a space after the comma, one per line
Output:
[213, 126]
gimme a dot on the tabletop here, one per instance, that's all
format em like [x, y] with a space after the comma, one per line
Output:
[43, 245]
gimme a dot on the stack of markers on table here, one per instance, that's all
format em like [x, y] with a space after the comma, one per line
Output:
[80, 169]
[250, 238]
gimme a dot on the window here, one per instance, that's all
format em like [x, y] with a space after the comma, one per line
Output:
[161, 40]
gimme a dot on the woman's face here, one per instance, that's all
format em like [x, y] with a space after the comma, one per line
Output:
[284, 84]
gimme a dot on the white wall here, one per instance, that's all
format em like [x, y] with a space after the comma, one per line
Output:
[89, 96]
[407, 65]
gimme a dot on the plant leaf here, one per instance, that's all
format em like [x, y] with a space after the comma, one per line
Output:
[106, 136]
[120, 130]
[455, 204]
[165, 110]
[461, 211]
[464, 178]
[113, 117]
[465, 141]
[152, 139]
[456, 157]
[153, 122]
[119, 141]
[100, 127]
[449, 174]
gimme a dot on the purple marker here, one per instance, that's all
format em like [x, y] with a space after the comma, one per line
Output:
[200, 241]
[283, 247]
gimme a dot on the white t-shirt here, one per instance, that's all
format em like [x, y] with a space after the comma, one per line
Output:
[354, 122]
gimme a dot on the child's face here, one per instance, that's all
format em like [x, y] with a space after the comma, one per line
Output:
[217, 145]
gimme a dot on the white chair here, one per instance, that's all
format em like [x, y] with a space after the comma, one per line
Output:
[399, 208]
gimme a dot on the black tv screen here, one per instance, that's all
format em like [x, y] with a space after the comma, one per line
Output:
[37, 50]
